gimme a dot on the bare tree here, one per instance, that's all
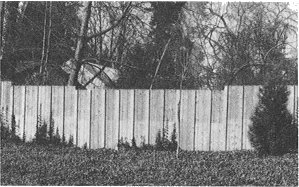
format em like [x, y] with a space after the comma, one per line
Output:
[85, 15]
[239, 37]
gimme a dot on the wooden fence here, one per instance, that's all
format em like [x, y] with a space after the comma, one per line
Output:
[210, 120]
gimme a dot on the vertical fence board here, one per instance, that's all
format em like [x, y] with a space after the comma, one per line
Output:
[97, 118]
[31, 112]
[112, 118]
[250, 102]
[44, 105]
[291, 98]
[6, 101]
[202, 126]
[296, 99]
[57, 109]
[234, 123]
[18, 110]
[126, 115]
[70, 114]
[187, 120]
[83, 118]
[171, 109]
[218, 125]
[156, 114]
[141, 116]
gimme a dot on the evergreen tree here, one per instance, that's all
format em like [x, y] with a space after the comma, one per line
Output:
[272, 130]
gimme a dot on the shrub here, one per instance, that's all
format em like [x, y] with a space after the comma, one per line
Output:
[162, 141]
[272, 131]
[6, 132]
[43, 136]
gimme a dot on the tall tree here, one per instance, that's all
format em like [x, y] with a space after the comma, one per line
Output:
[81, 43]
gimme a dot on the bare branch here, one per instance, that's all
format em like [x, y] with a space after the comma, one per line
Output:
[112, 26]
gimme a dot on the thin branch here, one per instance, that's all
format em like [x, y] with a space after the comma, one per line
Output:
[113, 26]
[157, 69]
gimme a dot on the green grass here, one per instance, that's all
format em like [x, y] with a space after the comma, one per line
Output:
[27, 164]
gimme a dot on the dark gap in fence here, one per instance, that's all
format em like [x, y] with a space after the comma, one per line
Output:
[63, 117]
[194, 119]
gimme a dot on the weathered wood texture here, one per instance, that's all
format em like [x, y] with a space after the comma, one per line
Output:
[6, 101]
[70, 114]
[218, 124]
[126, 115]
[31, 112]
[187, 120]
[202, 120]
[156, 114]
[44, 105]
[141, 121]
[83, 125]
[97, 123]
[209, 120]
[112, 118]
[57, 109]
[171, 119]
[19, 109]
[234, 118]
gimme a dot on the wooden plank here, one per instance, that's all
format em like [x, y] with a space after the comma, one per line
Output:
[234, 122]
[83, 118]
[44, 105]
[296, 99]
[250, 102]
[70, 114]
[187, 120]
[126, 115]
[141, 126]
[112, 119]
[291, 98]
[156, 115]
[218, 122]
[31, 112]
[171, 110]
[203, 115]
[19, 109]
[6, 102]
[97, 123]
[57, 109]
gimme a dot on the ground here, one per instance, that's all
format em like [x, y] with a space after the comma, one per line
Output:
[31, 164]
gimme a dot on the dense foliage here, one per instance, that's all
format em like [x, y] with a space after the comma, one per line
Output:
[273, 131]
[53, 165]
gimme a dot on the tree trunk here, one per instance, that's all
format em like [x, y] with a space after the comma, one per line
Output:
[2, 7]
[81, 43]
[48, 44]
[44, 40]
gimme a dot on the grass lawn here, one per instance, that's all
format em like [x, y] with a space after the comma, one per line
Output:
[27, 164]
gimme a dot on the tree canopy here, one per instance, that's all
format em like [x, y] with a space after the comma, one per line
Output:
[152, 44]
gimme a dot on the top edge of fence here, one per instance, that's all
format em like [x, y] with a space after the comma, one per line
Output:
[144, 89]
